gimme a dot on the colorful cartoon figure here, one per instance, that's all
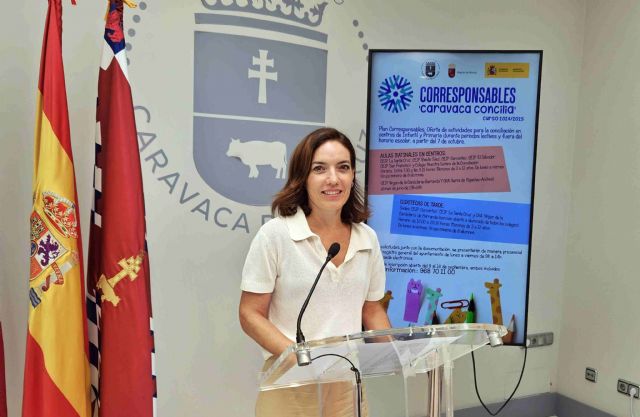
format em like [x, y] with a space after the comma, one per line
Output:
[494, 292]
[456, 316]
[413, 301]
[432, 302]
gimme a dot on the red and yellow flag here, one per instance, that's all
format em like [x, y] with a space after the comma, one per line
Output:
[56, 375]
[118, 276]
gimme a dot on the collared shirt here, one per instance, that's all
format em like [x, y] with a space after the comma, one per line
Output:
[284, 259]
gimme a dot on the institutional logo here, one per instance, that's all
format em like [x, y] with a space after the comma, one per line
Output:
[430, 69]
[255, 97]
[395, 93]
[452, 70]
[506, 70]
[259, 86]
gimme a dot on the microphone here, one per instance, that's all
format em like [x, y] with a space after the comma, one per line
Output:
[303, 356]
[333, 251]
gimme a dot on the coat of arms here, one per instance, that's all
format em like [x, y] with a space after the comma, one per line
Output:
[252, 93]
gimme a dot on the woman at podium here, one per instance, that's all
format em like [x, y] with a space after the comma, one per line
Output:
[320, 204]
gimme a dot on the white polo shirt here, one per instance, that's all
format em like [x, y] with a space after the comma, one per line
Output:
[284, 259]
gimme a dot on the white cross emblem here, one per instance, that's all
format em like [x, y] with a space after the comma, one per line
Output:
[262, 74]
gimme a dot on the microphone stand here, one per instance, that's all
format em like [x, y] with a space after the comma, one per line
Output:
[303, 356]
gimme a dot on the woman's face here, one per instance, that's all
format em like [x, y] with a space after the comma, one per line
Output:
[331, 177]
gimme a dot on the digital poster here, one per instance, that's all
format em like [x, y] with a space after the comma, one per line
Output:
[450, 173]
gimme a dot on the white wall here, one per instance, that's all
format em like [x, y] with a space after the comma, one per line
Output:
[600, 301]
[204, 362]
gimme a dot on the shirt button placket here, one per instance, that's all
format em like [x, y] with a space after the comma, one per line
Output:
[335, 274]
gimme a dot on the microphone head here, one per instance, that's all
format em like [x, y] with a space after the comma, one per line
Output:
[333, 250]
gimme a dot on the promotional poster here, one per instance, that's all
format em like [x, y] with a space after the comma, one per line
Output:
[450, 174]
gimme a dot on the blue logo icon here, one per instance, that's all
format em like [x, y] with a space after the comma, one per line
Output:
[395, 93]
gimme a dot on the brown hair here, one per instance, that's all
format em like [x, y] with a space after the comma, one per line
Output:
[294, 192]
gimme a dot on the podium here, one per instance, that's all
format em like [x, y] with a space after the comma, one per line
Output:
[416, 363]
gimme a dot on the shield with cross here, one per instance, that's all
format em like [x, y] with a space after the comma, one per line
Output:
[256, 94]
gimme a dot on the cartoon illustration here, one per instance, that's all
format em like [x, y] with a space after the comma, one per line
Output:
[456, 316]
[413, 301]
[496, 307]
[432, 298]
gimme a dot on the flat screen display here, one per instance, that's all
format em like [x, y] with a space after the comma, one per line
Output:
[450, 177]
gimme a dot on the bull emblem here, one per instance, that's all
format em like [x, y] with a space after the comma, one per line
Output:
[255, 152]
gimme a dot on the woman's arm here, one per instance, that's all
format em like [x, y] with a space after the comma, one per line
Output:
[254, 313]
[374, 317]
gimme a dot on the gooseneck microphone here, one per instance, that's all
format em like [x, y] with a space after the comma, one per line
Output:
[303, 356]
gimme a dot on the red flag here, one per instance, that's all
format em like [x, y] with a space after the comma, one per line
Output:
[119, 298]
[3, 384]
[56, 372]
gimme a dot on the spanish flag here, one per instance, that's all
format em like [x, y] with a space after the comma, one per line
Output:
[119, 295]
[56, 375]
